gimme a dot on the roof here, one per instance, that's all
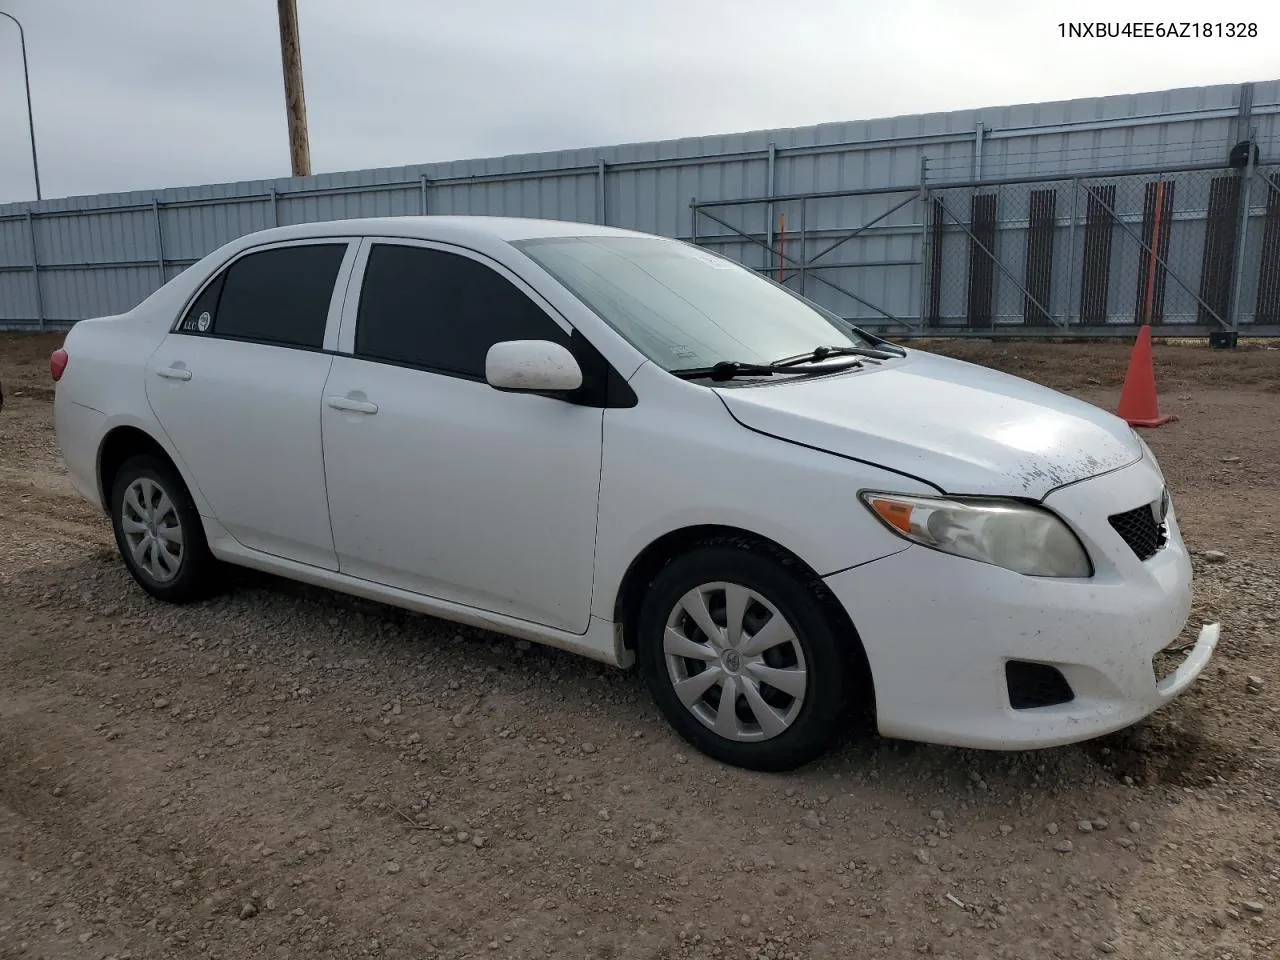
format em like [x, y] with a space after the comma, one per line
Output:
[446, 228]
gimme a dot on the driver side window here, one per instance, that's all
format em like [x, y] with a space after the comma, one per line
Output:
[440, 311]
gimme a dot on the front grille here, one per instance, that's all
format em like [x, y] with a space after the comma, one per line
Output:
[1036, 685]
[1139, 529]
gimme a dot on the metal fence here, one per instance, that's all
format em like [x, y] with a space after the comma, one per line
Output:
[1191, 249]
[1073, 217]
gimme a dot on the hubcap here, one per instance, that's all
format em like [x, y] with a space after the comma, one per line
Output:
[735, 662]
[152, 529]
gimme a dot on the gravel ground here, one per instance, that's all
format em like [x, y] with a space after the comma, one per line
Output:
[284, 772]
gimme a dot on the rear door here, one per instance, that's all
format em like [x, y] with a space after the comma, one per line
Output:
[237, 387]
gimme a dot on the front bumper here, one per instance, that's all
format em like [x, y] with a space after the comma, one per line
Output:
[938, 630]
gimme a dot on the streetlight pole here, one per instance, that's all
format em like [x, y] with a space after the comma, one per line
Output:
[26, 79]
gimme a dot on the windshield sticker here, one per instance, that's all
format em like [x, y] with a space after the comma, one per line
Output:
[684, 352]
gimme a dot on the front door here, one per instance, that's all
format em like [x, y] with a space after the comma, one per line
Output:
[439, 484]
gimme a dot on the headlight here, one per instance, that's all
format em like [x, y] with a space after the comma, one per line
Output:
[1020, 537]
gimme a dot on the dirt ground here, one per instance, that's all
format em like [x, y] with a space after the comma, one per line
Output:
[283, 772]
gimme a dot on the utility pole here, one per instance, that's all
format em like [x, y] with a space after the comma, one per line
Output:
[295, 101]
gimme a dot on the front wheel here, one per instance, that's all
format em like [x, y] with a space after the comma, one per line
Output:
[741, 656]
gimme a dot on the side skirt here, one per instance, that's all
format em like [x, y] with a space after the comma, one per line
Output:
[602, 642]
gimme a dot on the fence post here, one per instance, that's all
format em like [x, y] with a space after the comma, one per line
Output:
[770, 189]
[422, 194]
[926, 253]
[602, 214]
[35, 270]
[275, 211]
[1242, 237]
[1244, 114]
[155, 215]
[693, 212]
[1071, 256]
[804, 240]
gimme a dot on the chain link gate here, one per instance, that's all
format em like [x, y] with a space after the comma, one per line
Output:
[1260, 291]
[1090, 255]
[804, 241]
[1099, 252]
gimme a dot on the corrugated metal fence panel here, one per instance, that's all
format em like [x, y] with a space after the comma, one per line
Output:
[656, 200]
[387, 202]
[17, 296]
[17, 283]
[569, 197]
[75, 294]
[1148, 134]
[192, 231]
[1266, 102]
[15, 243]
[92, 250]
[127, 236]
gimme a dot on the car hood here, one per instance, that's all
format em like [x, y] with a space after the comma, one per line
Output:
[965, 429]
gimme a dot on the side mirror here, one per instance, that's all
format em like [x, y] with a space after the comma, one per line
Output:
[531, 366]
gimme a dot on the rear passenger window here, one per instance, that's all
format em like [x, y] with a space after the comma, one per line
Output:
[199, 318]
[278, 296]
[441, 311]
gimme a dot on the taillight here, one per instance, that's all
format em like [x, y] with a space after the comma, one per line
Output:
[57, 364]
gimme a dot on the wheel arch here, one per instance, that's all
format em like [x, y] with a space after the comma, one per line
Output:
[118, 445]
[197, 575]
[666, 548]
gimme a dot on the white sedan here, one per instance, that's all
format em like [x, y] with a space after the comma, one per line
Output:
[630, 448]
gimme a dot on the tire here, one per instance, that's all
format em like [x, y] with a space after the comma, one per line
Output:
[174, 572]
[768, 728]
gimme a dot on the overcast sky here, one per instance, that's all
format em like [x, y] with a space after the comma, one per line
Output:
[135, 94]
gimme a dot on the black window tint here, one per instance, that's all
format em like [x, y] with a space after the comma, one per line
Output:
[199, 319]
[280, 296]
[442, 311]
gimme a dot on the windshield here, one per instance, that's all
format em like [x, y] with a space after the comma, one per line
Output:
[683, 307]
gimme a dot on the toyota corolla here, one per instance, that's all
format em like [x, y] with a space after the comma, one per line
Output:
[631, 448]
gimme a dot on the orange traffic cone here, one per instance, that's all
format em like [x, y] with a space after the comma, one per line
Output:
[1138, 405]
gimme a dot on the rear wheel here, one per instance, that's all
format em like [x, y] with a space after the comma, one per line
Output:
[742, 658]
[159, 533]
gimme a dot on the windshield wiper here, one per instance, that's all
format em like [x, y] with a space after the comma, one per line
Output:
[729, 369]
[818, 354]
[880, 343]
[726, 370]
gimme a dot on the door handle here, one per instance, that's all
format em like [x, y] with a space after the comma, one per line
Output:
[174, 373]
[352, 405]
